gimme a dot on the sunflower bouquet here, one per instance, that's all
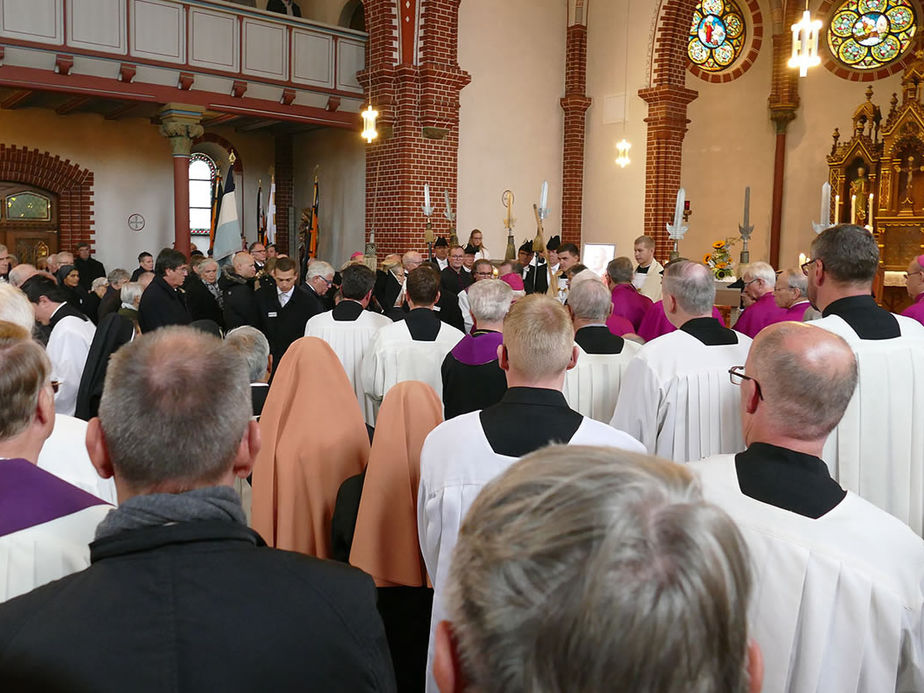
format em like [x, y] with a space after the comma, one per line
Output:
[720, 259]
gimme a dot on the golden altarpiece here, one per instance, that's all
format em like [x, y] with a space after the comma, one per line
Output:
[877, 180]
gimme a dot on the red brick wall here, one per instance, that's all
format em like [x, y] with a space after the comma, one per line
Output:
[73, 186]
[575, 104]
[667, 100]
[418, 124]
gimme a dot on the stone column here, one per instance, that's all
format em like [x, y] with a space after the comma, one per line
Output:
[575, 104]
[180, 124]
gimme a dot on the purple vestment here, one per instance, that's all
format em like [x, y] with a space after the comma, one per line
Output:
[628, 303]
[759, 314]
[655, 322]
[916, 309]
[796, 312]
[479, 349]
[619, 326]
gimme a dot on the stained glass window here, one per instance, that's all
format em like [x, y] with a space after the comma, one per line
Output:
[202, 172]
[717, 34]
[28, 206]
[867, 34]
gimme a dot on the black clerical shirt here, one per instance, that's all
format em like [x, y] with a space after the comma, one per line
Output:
[710, 331]
[865, 317]
[529, 418]
[597, 339]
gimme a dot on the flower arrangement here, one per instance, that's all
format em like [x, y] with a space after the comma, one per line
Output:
[720, 259]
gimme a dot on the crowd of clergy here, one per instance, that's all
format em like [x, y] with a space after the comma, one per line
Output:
[460, 473]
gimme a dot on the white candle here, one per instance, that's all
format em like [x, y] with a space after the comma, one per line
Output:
[544, 195]
[869, 213]
[825, 218]
[853, 209]
[837, 209]
[427, 195]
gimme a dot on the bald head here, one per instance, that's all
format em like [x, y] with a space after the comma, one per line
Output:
[244, 265]
[692, 286]
[807, 376]
[20, 273]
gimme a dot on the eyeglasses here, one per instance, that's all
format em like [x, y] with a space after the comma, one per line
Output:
[805, 265]
[484, 274]
[907, 274]
[55, 385]
[748, 283]
[737, 376]
[326, 280]
[456, 257]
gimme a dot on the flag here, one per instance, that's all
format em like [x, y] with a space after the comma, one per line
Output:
[216, 207]
[313, 238]
[261, 216]
[271, 213]
[228, 227]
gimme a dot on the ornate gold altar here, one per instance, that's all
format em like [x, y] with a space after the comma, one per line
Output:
[877, 180]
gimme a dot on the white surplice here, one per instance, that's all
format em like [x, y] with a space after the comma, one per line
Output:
[455, 464]
[350, 339]
[677, 399]
[877, 450]
[67, 350]
[64, 454]
[837, 601]
[592, 386]
[394, 356]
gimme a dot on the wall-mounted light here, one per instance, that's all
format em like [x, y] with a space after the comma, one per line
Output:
[369, 131]
[622, 149]
[805, 43]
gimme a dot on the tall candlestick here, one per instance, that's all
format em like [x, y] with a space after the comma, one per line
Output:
[747, 206]
[544, 195]
[825, 217]
[853, 209]
[837, 209]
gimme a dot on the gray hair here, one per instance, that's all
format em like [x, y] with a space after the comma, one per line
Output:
[489, 300]
[318, 268]
[589, 301]
[155, 386]
[591, 569]
[65, 257]
[585, 275]
[761, 271]
[250, 343]
[26, 370]
[98, 282]
[807, 377]
[796, 279]
[692, 285]
[131, 293]
[20, 273]
[16, 308]
[620, 270]
[118, 276]
[849, 253]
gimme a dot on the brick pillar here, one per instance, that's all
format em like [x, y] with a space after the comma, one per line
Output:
[667, 125]
[575, 104]
[414, 83]
[782, 104]
[283, 167]
[667, 100]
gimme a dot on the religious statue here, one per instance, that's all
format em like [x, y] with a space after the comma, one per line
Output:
[859, 191]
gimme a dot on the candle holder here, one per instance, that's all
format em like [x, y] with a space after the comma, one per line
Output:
[428, 238]
[675, 253]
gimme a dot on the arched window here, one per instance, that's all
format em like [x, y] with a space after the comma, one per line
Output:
[869, 34]
[717, 34]
[202, 177]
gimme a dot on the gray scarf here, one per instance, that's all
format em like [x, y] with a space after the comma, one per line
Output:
[156, 509]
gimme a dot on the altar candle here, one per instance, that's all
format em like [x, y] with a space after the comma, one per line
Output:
[544, 195]
[825, 217]
[427, 195]
[837, 209]
[869, 212]
[853, 209]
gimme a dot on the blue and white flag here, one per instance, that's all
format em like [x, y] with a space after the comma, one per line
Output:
[228, 229]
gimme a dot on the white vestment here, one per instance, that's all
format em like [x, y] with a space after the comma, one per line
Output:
[394, 356]
[64, 454]
[649, 283]
[592, 386]
[350, 339]
[677, 398]
[67, 350]
[455, 463]
[467, 319]
[877, 450]
[837, 601]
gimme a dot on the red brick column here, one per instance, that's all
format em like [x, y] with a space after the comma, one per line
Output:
[418, 125]
[283, 167]
[667, 100]
[575, 104]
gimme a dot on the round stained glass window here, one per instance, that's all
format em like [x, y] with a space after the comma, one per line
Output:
[717, 34]
[868, 34]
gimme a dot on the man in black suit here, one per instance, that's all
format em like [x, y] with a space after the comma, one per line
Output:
[388, 282]
[284, 309]
[239, 304]
[166, 561]
[163, 302]
[318, 281]
[533, 283]
[284, 7]
[112, 300]
[145, 264]
[88, 267]
[453, 279]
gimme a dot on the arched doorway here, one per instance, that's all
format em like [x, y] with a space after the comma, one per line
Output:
[28, 221]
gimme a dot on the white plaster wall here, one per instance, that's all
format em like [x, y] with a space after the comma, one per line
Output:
[341, 162]
[133, 173]
[614, 197]
[510, 131]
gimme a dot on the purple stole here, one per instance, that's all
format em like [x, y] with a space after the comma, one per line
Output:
[30, 496]
[916, 309]
[479, 349]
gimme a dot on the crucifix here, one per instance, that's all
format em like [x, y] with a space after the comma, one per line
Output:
[909, 170]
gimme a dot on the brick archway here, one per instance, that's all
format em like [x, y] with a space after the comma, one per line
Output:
[72, 184]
